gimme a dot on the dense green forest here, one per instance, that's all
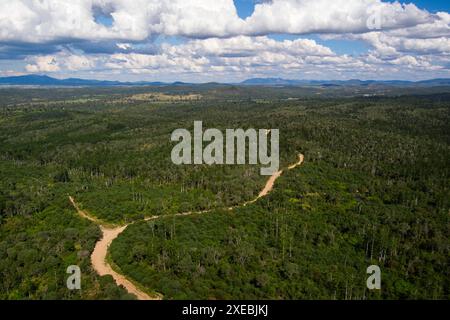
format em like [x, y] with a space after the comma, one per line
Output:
[374, 189]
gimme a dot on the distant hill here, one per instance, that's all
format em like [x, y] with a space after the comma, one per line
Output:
[44, 80]
[353, 82]
[435, 82]
[273, 81]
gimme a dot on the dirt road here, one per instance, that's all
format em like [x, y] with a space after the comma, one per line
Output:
[100, 253]
[102, 267]
[273, 178]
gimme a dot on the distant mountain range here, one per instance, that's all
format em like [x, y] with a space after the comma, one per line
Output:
[43, 80]
[353, 82]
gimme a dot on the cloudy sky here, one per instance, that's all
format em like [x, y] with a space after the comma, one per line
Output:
[225, 40]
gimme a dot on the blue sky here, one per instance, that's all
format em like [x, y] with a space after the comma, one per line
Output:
[433, 5]
[225, 40]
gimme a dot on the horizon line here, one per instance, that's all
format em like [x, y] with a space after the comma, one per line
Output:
[210, 82]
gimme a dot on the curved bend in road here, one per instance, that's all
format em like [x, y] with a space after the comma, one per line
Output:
[99, 255]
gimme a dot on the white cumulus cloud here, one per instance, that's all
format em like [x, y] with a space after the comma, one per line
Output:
[212, 40]
[58, 20]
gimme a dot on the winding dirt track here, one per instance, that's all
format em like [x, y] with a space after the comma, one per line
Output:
[103, 268]
[100, 253]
